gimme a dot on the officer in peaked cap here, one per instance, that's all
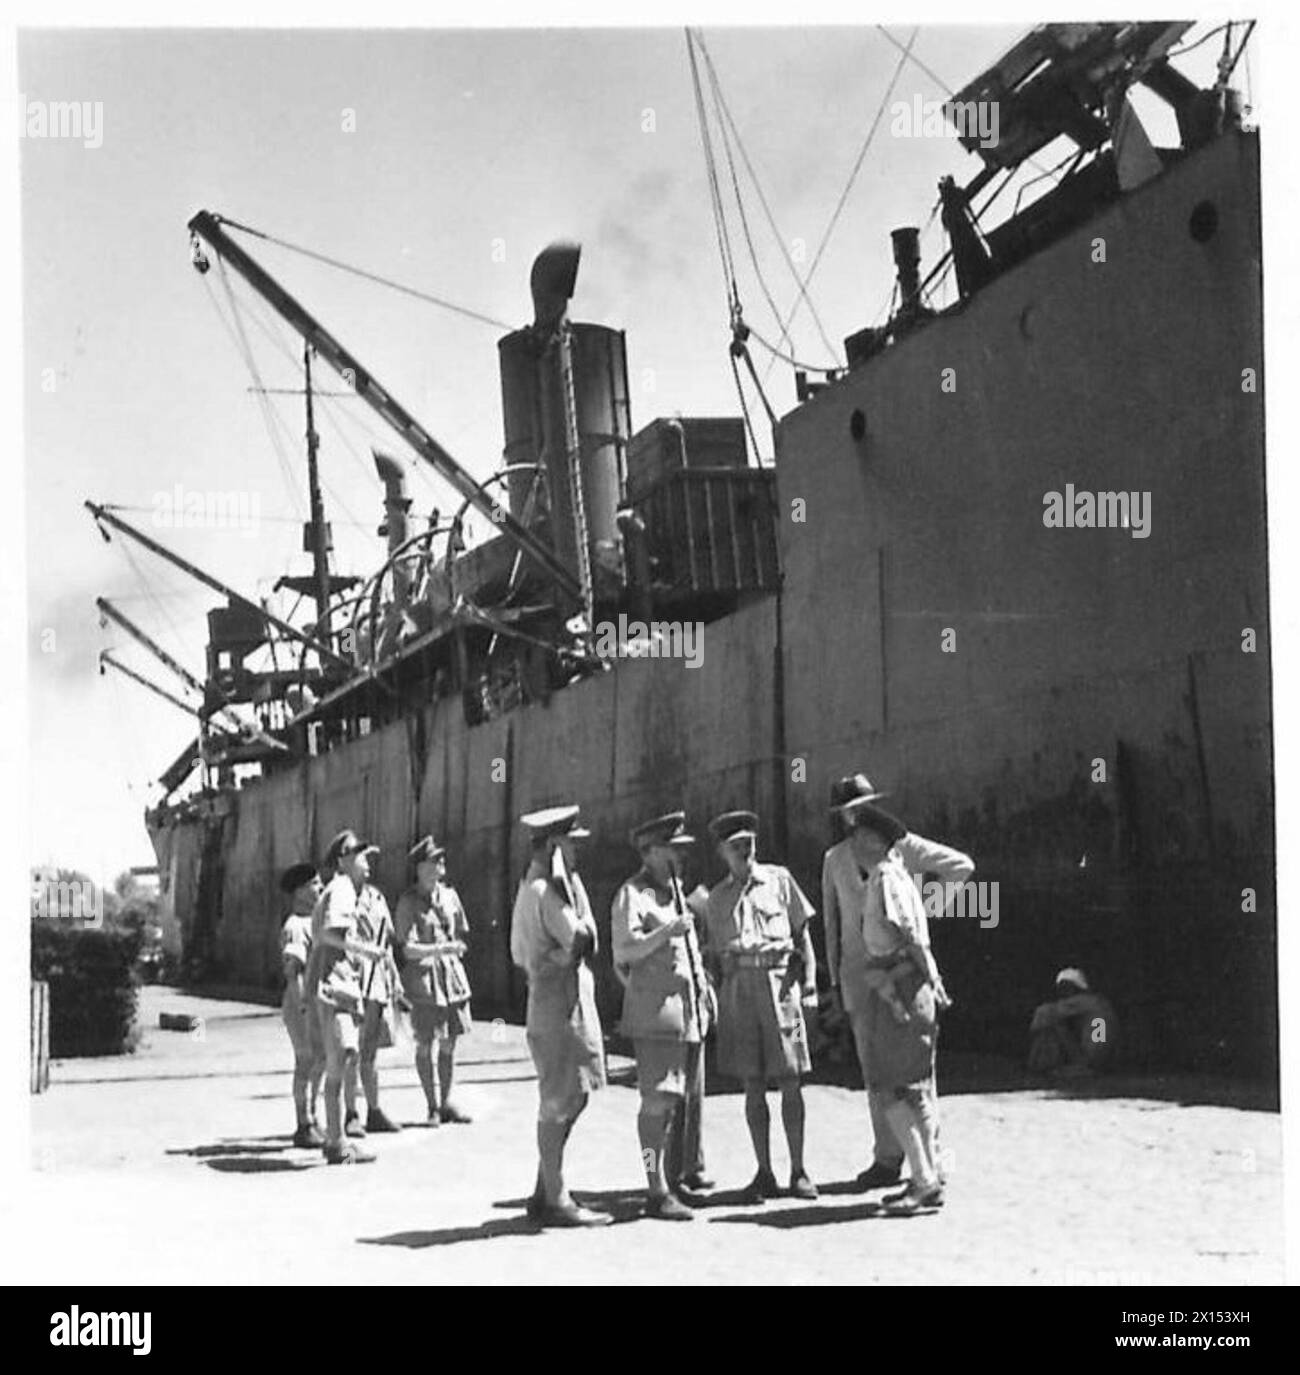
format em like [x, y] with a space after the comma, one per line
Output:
[552, 939]
[301, 886]
[668, 1010]
[432, 936]
[758, 937]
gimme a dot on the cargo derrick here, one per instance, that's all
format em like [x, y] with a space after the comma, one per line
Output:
[594, 526]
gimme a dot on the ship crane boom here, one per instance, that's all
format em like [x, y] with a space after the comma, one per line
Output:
[209, 227]
[103, 515]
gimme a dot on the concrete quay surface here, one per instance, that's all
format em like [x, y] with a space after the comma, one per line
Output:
[174, 1166]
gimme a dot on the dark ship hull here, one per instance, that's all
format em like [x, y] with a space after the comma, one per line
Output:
[1094, 729]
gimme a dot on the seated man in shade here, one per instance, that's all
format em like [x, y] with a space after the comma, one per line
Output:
[1075, 1033]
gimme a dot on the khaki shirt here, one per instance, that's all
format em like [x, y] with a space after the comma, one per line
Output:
[543, 929]
[767, 912]
[855, 920]
[375, 927]
[334, 975]
[666, 997]
[428, 919]
[544, 925]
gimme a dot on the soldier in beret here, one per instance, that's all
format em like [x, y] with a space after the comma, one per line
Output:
[432, 933]
[552, 938]
[668, 1009]
[302, 886]
[758, 937]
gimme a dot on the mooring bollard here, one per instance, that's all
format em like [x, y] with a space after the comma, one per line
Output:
[40, 1036]
[178, 1021]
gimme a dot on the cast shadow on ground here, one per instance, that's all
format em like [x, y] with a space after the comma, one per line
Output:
[817, 1215]
[249, 1155]
[621, 1205]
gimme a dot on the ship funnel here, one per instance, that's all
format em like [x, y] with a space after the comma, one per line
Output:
[555, 272]
[396, 503]
[907, 262]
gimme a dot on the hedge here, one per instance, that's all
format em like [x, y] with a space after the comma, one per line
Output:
[93, 987]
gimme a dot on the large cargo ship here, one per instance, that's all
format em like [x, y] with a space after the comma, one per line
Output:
[1010, 561]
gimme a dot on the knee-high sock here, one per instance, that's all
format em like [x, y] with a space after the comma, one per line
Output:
[759, 1123]
[792, 1116]
[652, 1129]
[550, 1149]
[446, 1067]
[350, 1083]
[424, 1068]
[301, 1074]
[369, 1071]
[333, 1109]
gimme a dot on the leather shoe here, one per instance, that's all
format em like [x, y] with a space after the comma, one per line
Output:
[345, 1153]
[451, 1113]
[377, 1120]
[309, 1136]
[570, 1215]
[915, 1200]
[668, 1207]
[762, 1186]
[352, 1126]
[802, 1187]
[880, 1176]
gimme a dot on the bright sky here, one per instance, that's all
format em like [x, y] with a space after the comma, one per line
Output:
[470, 152]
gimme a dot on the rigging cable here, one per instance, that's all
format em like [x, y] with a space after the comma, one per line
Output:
[726, 121]
[715, 194]
[333, 410]
[739, 330]
[368, 276]
[270, 416]
[853, 175]
[1191, 47]
[277, 342]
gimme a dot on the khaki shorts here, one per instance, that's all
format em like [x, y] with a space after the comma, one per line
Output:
[339, 1031]
[661, 1066]
[430, 1022]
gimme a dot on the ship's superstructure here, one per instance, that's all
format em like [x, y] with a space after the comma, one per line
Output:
[1083, 706]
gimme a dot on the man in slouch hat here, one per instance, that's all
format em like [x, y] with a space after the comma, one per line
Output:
[878, 950]
[844, 895]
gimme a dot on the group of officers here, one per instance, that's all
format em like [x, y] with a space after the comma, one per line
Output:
[738, 957]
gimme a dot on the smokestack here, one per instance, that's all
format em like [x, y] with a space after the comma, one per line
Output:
[907, 261]
[397, 505]
[554, 275]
